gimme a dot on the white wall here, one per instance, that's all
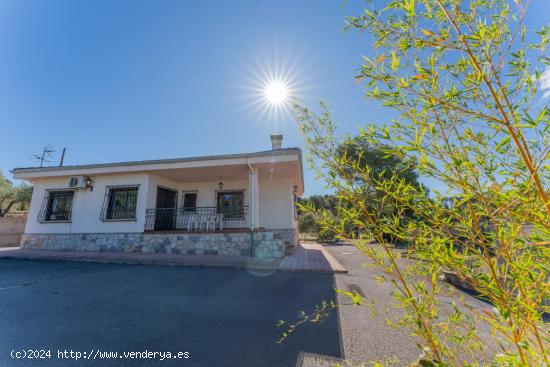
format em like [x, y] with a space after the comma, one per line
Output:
[206, 195]
[87, 206]
[275, 208]
[276, 204]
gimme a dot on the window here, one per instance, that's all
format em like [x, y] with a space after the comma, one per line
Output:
[231, 203]
[120, 203]
[166, 198]
[189, 201]
[58, 206]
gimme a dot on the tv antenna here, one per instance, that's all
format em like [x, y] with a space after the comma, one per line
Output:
[46, 155]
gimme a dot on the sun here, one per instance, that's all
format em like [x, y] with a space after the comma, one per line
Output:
[271, 85]
[276, 92]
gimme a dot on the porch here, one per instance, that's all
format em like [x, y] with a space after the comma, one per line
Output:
[222, 199]
[203, 200]
[198, 219]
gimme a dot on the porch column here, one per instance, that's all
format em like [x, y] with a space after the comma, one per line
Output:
[253, 197]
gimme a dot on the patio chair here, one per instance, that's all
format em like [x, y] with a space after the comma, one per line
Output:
[180, 220]
[192, 222]
[214, 222]
[202, 222]
[219, 220]
[211, 223]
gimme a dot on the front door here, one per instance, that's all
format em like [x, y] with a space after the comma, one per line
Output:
[167, 203]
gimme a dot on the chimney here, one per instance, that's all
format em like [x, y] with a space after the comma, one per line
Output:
[276, 141]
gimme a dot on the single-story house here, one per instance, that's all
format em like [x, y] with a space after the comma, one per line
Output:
[231, 205]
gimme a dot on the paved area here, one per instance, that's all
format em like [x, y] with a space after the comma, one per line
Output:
[221, 316]
[309, 257]
[140, 258]
[366, 336]
[313, 257]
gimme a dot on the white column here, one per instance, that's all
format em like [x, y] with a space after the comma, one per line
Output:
[253, 198]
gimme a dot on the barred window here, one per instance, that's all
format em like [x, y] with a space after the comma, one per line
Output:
[57, 206]
[230, 203]
[120, 203]
[190, 201]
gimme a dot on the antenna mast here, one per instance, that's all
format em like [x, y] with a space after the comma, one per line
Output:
[46, 155]
[62, 157]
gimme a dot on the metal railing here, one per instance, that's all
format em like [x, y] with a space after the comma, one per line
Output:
[200, 219]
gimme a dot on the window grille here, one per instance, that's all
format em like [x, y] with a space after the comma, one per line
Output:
[57, 207]
[190, 201]
[230, 203]
[120, 203]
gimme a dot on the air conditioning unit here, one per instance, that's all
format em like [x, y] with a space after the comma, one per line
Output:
[78, 182]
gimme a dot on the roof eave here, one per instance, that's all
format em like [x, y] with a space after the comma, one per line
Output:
[141, 166]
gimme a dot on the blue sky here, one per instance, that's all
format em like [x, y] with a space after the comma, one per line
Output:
[131, 80]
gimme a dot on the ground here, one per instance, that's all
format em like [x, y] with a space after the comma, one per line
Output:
[222, 317]
[367, 337]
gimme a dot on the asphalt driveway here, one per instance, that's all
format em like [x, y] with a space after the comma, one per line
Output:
[221, 317]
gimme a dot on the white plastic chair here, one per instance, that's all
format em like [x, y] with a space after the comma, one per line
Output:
[211, 223]
[191, 221]
[203, 222]
[219, 220]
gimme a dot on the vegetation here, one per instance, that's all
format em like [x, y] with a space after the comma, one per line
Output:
[463, 78]
[306, 220]
[13, 197]
[383, 162]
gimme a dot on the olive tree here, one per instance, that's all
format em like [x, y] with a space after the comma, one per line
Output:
[13, 196]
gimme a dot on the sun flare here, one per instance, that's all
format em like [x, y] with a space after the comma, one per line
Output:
[271, 85]
[276, 92]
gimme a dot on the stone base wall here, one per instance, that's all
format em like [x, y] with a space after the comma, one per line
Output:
[11, 230]
[224, 244]
[289, 236]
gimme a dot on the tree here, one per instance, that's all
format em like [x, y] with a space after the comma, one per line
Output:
[11, 196]
[381, 160]
[326, 204]
[463, 77]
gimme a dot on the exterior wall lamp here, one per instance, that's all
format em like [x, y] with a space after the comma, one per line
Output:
[89, 183]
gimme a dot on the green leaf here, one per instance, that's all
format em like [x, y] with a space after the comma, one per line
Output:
[394, 61]
[499, 147]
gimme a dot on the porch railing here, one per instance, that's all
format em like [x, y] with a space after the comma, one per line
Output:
[201, 219]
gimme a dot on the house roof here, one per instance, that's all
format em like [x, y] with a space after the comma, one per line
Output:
[263, 157]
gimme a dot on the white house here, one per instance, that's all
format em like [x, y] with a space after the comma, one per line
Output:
[232, 205]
